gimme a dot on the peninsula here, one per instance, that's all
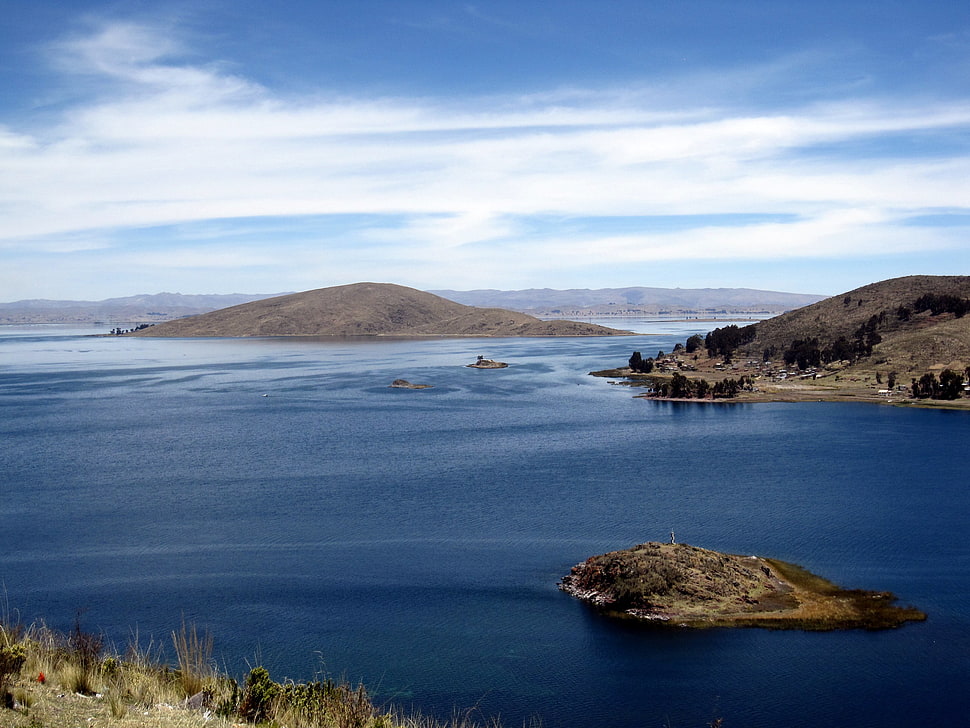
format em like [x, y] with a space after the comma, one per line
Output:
[367, 309]
[686, 586]
[900, 341]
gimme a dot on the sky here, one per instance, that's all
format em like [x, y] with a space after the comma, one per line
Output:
[239, 146]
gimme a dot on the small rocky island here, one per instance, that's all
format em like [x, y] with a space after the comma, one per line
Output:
[483, 363]
[681, 585]
[405, 384]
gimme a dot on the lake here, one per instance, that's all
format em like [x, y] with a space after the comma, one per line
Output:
[318, 522]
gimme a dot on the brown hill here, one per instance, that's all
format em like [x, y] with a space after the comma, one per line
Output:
[886, 324]
[367, 309]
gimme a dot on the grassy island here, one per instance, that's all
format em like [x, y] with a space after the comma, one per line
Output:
[682, 585]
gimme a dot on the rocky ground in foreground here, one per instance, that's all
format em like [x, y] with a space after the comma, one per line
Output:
[689, 586]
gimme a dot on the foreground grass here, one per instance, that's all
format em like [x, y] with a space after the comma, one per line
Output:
[51, 680]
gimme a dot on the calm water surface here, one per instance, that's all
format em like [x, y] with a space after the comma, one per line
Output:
[317, 521]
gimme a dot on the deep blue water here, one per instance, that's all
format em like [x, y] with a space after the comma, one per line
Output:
[413, 539]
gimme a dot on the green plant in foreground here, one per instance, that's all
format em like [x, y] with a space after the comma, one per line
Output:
[320, 704]
[258, 696]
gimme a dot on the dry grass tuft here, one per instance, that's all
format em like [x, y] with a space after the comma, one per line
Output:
[69, 680]
[194, 653]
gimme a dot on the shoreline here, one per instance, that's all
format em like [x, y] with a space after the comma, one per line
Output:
[826, 390]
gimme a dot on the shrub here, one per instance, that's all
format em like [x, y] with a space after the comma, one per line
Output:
[258, 696]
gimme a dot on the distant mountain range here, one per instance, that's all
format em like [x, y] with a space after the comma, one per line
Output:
[131, 309]
[368, 309]
[634, 300]
[546, 302]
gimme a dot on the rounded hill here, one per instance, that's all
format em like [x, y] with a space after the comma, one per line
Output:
[367, 309]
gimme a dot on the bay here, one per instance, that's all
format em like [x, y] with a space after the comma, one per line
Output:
[279, 493]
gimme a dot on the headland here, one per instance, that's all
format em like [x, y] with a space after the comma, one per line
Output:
[904, 341]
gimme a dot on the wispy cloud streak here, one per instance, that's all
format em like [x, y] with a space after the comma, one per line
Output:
[161, 140]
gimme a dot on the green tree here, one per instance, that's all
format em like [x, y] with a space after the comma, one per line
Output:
[722, 342]
[694, 343]
[726, 388]
[927, 387]
[680, 387]
[258, 697]
[803, 352]
[640, 365]
[951, 385]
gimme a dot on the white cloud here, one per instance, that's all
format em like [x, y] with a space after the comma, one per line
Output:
[163, 141]
[116, 49]
[832, 235]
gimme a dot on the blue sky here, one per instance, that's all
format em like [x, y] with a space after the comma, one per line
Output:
[242, 146]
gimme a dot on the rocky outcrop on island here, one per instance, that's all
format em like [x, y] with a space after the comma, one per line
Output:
[368, 309]
[684, 585]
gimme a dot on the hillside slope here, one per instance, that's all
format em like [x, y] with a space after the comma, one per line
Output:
[901, 341]
[367, 309]
[884, 324]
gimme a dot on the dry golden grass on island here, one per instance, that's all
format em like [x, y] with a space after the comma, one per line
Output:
[681, 585]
